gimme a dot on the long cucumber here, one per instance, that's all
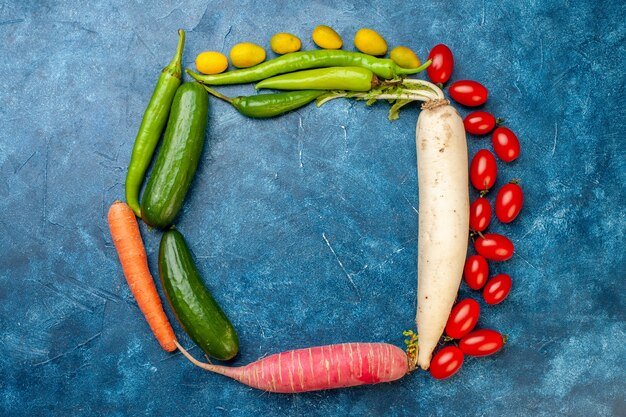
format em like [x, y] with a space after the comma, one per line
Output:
[178, 157]
[193, 305]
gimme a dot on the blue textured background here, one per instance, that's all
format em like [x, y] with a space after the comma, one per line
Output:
[305, 226]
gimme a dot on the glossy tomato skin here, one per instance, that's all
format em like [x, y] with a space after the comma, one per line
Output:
[494, 247]
[509, 202]
[440, 70]
[505, 144]
[463, 318]
[481, 342]
[497, 289]
[446, 362]
[468, 93]
[476, 272]
[480, 214]
[479, 123]
[483, 170]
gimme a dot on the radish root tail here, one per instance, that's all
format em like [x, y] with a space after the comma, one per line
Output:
[207, 366]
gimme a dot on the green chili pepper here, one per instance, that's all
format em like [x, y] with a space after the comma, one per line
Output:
[154, 120]
[335, 78]
[382, 67]
[268, 105]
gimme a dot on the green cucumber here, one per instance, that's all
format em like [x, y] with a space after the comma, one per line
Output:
[178, 157]
[193, 305]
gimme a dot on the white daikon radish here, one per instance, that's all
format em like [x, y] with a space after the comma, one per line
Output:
[443, 219]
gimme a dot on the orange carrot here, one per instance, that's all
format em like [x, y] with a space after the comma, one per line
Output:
[127, 239]
[318, 368]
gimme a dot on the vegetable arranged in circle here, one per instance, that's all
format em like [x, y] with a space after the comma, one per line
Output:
[370, 42]
[211, 62]
[178, 157]
[284, 43]
[505, 144]
[127, 239]
[443, 220]
[442, 65]
[325, 37]
[246, 54]
[152, 125]
[463, 318]
[509, 202]
[497, 289]
[383, 68]
[479, 123]
[193, 305]
[483, 170]
[482, 342]
[268, 105]
[480, 214]
[318, 368]
[494, 247]
[476, 272]
[446, 362]
[445, 215]
[334, 78]
[468, 93]
[404, 57]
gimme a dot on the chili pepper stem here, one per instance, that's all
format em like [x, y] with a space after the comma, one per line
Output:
[218, 94]
[194, 75]
[376, 81]
[174, 67]
[409, 71]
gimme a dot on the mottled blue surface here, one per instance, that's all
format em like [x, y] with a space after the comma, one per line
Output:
[305, 226]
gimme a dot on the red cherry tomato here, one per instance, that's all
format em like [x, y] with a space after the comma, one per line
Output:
[505, 144]
[483, 170]
[468, 93]
[442, 64]
[479, 123]
[494, 247]
[509, 202]
[482, 342]
[476, 272]
[446, 362]
[480, 214]
[463, 318]
[497, 289]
